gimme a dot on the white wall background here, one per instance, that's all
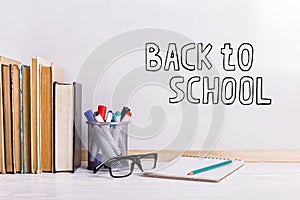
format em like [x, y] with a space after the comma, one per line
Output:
[67, 31]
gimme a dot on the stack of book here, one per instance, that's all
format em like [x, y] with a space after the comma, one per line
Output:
[40, 118]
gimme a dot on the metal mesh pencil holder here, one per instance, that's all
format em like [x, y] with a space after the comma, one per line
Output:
[106, 140]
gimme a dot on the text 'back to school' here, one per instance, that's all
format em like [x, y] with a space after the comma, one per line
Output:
[246, 90]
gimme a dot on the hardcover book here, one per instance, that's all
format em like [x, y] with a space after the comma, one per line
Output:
[67, 123]
[47, 77]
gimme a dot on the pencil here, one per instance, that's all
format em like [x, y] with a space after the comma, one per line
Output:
[197, 171]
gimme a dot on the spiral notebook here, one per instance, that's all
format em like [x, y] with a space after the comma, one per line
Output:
[179, 167]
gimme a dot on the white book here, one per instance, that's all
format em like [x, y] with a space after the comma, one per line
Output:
[63, 132]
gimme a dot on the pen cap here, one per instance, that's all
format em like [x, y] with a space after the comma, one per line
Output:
[89, 116]
[124, 111]
[98, 117]
[109, 116]
[102, 111]
[117, 116]
[96, 113]
[127, 117]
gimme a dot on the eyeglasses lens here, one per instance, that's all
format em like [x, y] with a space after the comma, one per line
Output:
[121, 167]
[147, 162]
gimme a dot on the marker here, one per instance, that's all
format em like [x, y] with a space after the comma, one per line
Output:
[204, 169]
[98, 159]
[113, 119]
[109, 116]
[124, 111]
[117, 116]
[89, 116]
[127, 117]
[108, 146]
[96, 113]
[102, 111]
[106, 134]
[98, 117]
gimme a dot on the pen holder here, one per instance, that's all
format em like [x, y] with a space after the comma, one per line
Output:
[106, 140]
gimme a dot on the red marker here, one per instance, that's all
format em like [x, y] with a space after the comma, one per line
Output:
[102, 111]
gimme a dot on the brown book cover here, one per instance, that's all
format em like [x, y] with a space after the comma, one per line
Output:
[35, 112]
[34, 116]
[7, 120]
[5, 61]
[46, 121]
[16, 117]
[26, 149]
[48, 76]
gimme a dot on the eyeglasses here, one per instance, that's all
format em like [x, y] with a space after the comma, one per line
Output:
[123, 166]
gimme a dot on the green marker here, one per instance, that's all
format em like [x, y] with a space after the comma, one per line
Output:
[117, 116]
[197, 171]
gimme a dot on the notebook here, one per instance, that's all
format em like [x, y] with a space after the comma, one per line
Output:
[179, 168]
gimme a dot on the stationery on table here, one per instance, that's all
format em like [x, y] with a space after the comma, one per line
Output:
[197, 169]
[124, 111]
[107, 140]
[117, 116]
[210, 167]
[102, 111]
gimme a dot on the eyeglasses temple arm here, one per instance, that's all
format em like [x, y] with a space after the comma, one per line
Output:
[96, 168]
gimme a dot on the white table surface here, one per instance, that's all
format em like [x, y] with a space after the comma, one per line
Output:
[253, 181]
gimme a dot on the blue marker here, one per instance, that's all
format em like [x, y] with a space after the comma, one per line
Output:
[89, 115]
[98, 159]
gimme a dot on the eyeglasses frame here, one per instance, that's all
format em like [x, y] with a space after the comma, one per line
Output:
[135, 161]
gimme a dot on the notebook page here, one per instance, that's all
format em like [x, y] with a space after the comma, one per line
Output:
[182, 165]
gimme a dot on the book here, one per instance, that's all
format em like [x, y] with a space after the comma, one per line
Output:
[67, 131]
[182, 165]
[77, 125]
[11, 110]
[16, 117]
[25, 128]
[48, 75]
[63, 123]
[7, 118]
[4, 61]
[35, 64]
